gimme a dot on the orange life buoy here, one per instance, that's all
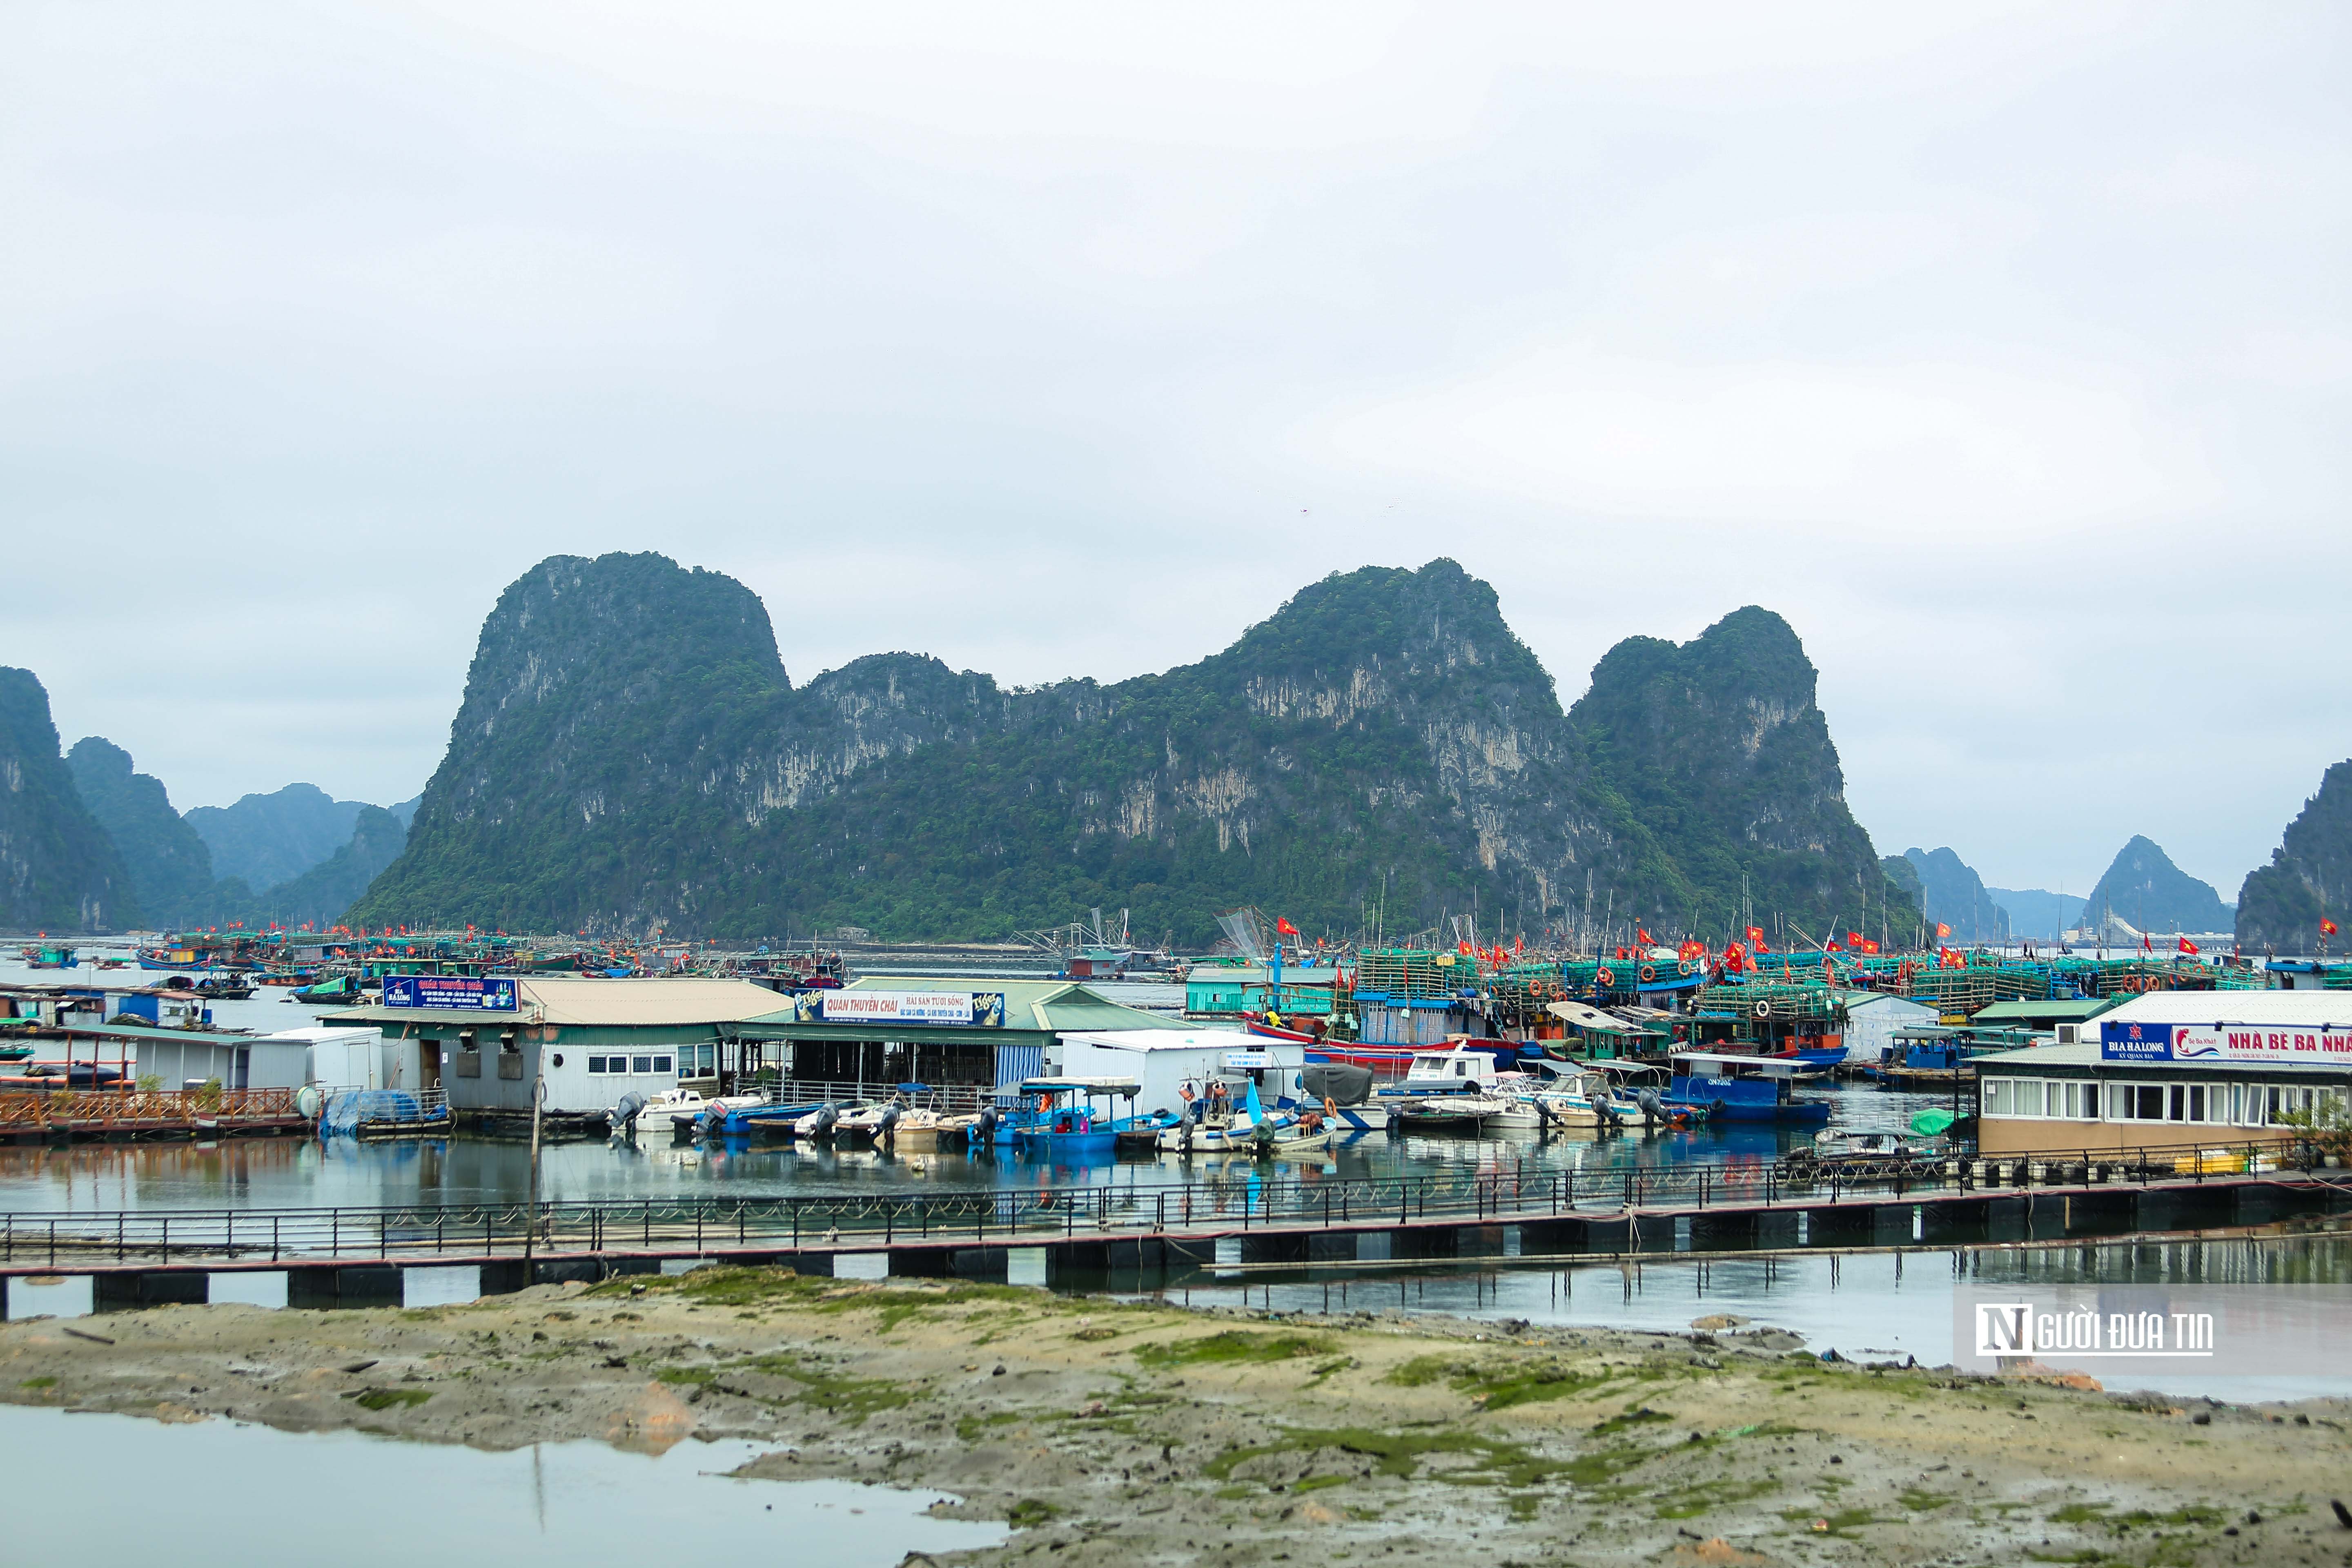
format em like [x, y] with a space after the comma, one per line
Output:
[1649, 971]
[1605, 978]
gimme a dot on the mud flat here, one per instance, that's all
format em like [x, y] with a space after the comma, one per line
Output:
[1147, 1434]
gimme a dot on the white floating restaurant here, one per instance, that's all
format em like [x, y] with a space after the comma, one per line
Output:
[2172, 1070]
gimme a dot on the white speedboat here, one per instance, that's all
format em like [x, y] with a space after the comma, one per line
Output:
[666, 1110]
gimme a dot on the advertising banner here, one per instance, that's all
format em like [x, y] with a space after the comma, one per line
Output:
[964, 1009]
[450, 993]
[2224, 1043]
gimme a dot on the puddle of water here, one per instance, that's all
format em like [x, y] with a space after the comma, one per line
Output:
[452, 1287]
[54, 1295]
[397, 1504]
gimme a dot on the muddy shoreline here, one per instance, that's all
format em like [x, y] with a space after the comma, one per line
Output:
[1112, 1433]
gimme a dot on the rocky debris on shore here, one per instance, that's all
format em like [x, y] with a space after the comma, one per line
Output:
[1122, 1434]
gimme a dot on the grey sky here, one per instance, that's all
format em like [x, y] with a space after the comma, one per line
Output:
[2006, 351]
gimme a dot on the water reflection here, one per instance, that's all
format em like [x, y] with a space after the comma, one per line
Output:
[1866, 1305]
[579, 1500]
[289, 1173]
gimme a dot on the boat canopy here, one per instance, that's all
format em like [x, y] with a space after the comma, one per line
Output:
[1731, 1064]
[1126, 1087]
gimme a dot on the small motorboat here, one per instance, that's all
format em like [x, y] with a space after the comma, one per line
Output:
[673, 1110]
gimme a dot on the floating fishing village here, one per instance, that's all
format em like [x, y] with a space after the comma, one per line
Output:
[1174, 1162]
[978, 786]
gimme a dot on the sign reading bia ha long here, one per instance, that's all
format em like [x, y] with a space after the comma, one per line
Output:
[450, 993]
[2223, 1043]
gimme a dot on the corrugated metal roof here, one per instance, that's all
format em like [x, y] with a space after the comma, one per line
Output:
[2287, 1009]
[1169, 1040]
[148, 1032]
[2068, 1012]
[591, 1004]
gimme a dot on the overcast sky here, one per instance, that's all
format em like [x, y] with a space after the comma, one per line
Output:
[2005, 351]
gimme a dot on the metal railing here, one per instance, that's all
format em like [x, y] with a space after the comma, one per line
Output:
[1233, 1198]
[954, 1099]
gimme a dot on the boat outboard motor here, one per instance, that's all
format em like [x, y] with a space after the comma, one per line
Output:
[826, 1117]
[887, 1131]
[984, 1132]
[714, 1121]
[623, 1114]
[1653, 1109]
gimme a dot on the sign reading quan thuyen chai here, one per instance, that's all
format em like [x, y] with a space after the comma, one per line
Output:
[450, 993]
[2127, 1042]
[983, 1009]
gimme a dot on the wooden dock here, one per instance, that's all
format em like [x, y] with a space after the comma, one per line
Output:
[40, 1116]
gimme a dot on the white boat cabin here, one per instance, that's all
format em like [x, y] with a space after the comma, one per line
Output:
[1456, 1071]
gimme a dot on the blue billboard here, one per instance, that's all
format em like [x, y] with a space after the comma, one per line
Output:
[2136, 1042]
[450, 993]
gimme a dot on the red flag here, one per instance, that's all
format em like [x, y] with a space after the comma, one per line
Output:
[1761, 947]
[1831, 947]
[1467, 950]
[1623, 953]
[1283, 928]
[1853, 939]
[1735, 958]
[1868, 945]
[1942, 932]
[1520, 944]
[2189, 947]
[2143, 944]
[2326, 926]
[1756, 933]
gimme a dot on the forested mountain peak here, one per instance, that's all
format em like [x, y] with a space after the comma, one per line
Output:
[2309, 877]
[58, 871]
[1382, 749]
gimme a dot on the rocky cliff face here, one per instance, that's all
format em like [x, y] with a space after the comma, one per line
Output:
[58, 871]
[170, 870]
[1383, 751]
[2309, 876]
[2145, 890]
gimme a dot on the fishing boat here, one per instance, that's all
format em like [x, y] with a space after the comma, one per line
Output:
[171, 958]
[1740, 1087]
[340, 988]
[49, 957]
[1459, 1089]
[1344, 1094]
[1567, 1096]
[1066, 1126]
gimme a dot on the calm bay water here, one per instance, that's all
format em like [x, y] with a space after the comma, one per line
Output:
[544, 1503]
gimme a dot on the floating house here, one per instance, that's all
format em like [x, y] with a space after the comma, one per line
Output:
[485, 1040]
[2172, 1070]
[1162, 1062]
[956, 1032]
[1230, 990]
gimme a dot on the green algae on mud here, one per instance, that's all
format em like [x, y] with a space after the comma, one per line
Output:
[1233, 1347]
